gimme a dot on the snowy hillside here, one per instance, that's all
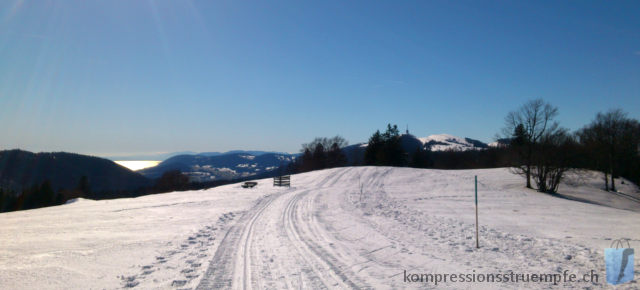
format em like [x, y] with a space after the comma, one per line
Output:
[325, 231]
[214, 166]
[438, 142]
[443, 142]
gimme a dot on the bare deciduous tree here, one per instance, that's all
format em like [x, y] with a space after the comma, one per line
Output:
[609, 136]
[536, 117]
[325, 142]
[551, 159]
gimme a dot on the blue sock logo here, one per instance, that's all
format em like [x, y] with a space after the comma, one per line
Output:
[619, 262]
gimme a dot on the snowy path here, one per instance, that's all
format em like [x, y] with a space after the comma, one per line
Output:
[325, 232]
[277, 239]
[328, 235]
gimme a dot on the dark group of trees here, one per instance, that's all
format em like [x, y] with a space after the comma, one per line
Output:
[321, 153]
[385, 149]
[541, 148]
[542, 151]
[41, 195]
[533, 144]
[613, 142]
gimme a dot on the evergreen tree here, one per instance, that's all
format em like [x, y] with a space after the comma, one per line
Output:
[374, 147]
[9, 201]
[385, 149]
[421, 159]
[26, 199]
[519, 136]
[172, 180]
[83, 186]
[46, 195]
[319, 157]
[394, 154]
[335, 157]
[60, 197]
[306, 161]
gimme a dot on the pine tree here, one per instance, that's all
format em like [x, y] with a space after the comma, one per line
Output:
[306, 160]
[374, 147]
[1, 200]
[319, 157]
[421, 159]
[519, 136]
[46, 195]
[83, 186]
[335, 157]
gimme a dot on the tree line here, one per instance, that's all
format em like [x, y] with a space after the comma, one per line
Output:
[543, 151]
[41, 195]
[321, 153]
[533, 144]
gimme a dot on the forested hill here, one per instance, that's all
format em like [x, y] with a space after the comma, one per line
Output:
[20, 169]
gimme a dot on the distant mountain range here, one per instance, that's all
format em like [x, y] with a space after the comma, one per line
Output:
[20, 169]
[205, 167]
[155, 157]
[165, 156]
[210, 166]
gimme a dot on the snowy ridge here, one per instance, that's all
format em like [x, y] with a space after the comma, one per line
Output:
[438, 142]
[443, 142]
[202, 168]
[324, 232]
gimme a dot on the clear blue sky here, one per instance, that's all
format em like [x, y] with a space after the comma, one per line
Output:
[131, 77]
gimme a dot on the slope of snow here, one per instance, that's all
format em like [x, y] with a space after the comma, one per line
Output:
[326, 231]
[442, 142]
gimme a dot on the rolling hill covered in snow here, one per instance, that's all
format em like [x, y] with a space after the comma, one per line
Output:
[444, 142]
[411, 143]
[216, 166]
[352, 227]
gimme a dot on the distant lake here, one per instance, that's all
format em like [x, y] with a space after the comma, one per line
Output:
[138, 164]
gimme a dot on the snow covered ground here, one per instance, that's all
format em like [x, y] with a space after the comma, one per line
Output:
[355, 227]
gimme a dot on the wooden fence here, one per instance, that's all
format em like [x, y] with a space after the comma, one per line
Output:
[282, 181]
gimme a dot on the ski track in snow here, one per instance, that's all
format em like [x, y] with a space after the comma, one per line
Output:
[286, 219]
[186, 255]
[328, 232]
[290, 240]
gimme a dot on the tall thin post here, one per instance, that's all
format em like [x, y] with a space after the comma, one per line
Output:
[477, 242]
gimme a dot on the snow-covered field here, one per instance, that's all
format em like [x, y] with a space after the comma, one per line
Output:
[326, 231]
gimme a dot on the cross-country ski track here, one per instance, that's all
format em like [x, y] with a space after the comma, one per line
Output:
[342, 228]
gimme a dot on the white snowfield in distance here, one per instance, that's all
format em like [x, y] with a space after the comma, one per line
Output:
[326, 231]
[445, 142]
